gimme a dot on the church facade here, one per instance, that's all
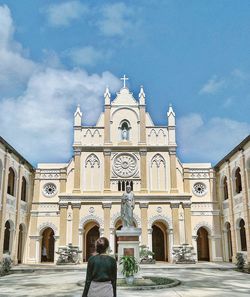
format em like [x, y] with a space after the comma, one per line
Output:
[176, 203]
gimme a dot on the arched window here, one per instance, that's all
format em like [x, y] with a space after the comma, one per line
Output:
[238, 184]
[125, 127]
[225, 188]
[158, 173]
[24, 189]
[11, 182]
[131, 185]
[123, 186]
[243, 240]
[119, 186]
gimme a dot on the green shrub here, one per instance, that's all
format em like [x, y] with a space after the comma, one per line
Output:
[240, 261]
[5, 265]
[130, 265]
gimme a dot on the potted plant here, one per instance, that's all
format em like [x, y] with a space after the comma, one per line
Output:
[130, 266]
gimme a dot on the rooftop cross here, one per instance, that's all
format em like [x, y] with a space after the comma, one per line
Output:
[124, 78]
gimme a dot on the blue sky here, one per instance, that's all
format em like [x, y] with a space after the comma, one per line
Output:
[193, 54]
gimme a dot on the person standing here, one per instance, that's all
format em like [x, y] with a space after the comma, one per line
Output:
[101, 272]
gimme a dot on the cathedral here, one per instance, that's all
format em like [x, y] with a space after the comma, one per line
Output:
[57, 204]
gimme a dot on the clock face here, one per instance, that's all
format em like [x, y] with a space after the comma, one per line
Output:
[125, 165]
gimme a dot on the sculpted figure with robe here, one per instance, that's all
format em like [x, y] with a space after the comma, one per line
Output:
[127, 207]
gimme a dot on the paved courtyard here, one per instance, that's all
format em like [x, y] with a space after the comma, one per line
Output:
[195, 283]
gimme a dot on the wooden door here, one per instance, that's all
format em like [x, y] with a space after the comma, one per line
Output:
[91, 238]
[158, 244]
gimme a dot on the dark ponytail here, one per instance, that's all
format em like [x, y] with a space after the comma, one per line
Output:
[102, 245]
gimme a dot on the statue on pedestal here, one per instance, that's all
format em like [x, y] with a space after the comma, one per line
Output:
[127, 207]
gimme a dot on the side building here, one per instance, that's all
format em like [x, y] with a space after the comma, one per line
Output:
[233, 192]
[16, 193]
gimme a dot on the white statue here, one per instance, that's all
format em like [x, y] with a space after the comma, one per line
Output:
[124, 134]
[127, 207]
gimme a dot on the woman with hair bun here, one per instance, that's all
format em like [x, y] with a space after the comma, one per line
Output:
[101, 272]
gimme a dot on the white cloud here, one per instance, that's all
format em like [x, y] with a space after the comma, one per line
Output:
[117, 19]
[64, 13]
[209, 140]
[39, 122]
[87, 56]
[212, 86]
[15, 68]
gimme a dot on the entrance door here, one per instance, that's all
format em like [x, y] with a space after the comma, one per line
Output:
[158, 244]
[202, 245]
[91, 238]
[48, 246]
[229, 242]
[6, 243]
[20, 245]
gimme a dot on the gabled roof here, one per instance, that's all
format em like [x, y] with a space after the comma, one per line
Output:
[233, 151]
[15, 152]
[124, 97]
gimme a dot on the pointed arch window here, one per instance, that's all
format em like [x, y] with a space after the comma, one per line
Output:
[11, 182]
[238, 183]
[24, 189]
[225, 188]
[158, 173]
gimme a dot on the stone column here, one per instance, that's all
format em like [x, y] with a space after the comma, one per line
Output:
[63, 223]
[173, 176]
[18, 210]
[150, 240]
[56, 256]
[175, 218]
[4, 197]
[142, 110]
[143, 154]
[186, 181]
[106, 209]
[170, 244]
[63, 179]
[194, 243]
[144, 223]
[188, 225]
[225, 245]
[107, 124]
[231, 212]
[77, 171]
[245, 200]
[107, 154]
[75, 223]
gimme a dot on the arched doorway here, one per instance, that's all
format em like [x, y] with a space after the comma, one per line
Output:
[20, 244]
[159, 242]
[48, 245]
[7, 238]
[202, 245]
[243, 241]
[229, 241]
[92, 234]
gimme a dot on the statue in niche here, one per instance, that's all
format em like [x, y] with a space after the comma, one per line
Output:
[127, 207]
[124, 131]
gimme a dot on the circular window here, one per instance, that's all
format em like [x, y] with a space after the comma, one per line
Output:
[125, 165]
[199, 189]
[49, 190]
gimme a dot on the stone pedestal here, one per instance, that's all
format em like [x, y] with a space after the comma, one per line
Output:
[128, 244]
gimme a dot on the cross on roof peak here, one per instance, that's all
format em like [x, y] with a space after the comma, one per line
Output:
[124, 78]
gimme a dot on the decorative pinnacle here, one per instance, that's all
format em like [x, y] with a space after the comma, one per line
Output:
[107, 93]
[78, 110]
[142, 94]
[170, 110]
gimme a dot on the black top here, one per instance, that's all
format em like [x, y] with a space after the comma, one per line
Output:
[101, 268]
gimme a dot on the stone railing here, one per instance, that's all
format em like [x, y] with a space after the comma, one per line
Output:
[11, 202]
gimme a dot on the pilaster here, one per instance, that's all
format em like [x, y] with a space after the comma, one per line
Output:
[75, 223]
[63, 223]
[188, 225]
[173, 176]
[106, 209]
[107, 124]
[144, 223]
[107, 154]
[143, 155]
[175, 218]
[142, 109]
[77, 171]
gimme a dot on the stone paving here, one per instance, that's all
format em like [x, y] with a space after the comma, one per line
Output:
[203, 282]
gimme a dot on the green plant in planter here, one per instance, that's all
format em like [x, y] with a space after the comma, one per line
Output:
[130, 265]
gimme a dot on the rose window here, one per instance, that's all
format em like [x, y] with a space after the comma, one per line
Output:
[199, 189]
[49, 190]
[125, 165]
